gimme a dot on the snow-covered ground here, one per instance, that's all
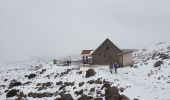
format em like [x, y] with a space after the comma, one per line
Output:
[143, 81]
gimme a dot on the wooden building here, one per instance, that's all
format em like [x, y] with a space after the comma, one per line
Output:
[108, 53]
[87, 57]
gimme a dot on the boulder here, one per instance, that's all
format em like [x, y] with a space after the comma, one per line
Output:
[12, 93]
[2, 86]
[92, 90]
[14, 83]
[123, 97]
[6, 91]
[27, 83]
[91, 81]
[98, 81]
[32, 76]
[40, 95]
[85, 97]
[66, 97]
[135, 99]
[81, 84]
[43, 70]
[62, 87]
[80, 72]
[43, 86]
[121, 89]
[98, 99]
[59, 83]
[79, 92]
[69, 83]
[90, 73]
[158, 63]
[164, 56]
[21, 95]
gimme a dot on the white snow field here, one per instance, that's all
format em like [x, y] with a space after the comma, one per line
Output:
[143, 81]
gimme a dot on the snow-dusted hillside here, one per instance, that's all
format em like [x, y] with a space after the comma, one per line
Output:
[143, 81]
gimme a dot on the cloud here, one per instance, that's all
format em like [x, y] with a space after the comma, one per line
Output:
[57, 28]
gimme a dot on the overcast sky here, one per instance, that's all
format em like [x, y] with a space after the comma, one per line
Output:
[51, 28]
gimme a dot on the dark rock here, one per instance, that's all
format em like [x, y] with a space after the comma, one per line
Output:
[154, 55]
[111, 93]
[26, 83]
[135, 99]
[12, 93]
[66, 72]
[158, 63]
[104, 81]
[48, 84]
[69, 83]
[66, 97]
[98, 92]
[123, 97]
[92, 90]
[98, 99]
[14, 83]
[21, 95]
[121, 89]
[43, 70]
[48, 76]
[58, 99]
[91, 81]
[3, 86]
[74, 88]
[80, 72]
[159, 78]
[135, 66]
[85, 97]
[56, 75]
[98, 81]
[79, 92]
[164, 56]
[106, 85]
[62, 87]
[6, 91]
[59, 83]
[32, 76]
[40, 95]
[81, 84]
[5, 80]
[44, 86]
[90, 73]
[39, 84]
[26, 76]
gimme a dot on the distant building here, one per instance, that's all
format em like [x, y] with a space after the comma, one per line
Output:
[87, 57]
[108, 53]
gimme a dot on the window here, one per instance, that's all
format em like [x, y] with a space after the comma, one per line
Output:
[107, 48]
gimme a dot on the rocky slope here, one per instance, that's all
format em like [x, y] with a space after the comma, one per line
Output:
[148, 79]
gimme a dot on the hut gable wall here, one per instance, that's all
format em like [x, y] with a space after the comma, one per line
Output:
[106, 53]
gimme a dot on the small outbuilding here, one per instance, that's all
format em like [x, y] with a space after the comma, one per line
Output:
[87, 57]
[108, 53]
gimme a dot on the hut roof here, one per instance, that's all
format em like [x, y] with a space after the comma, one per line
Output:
[86, 52]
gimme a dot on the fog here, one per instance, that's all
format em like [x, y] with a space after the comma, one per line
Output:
[53, 28]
